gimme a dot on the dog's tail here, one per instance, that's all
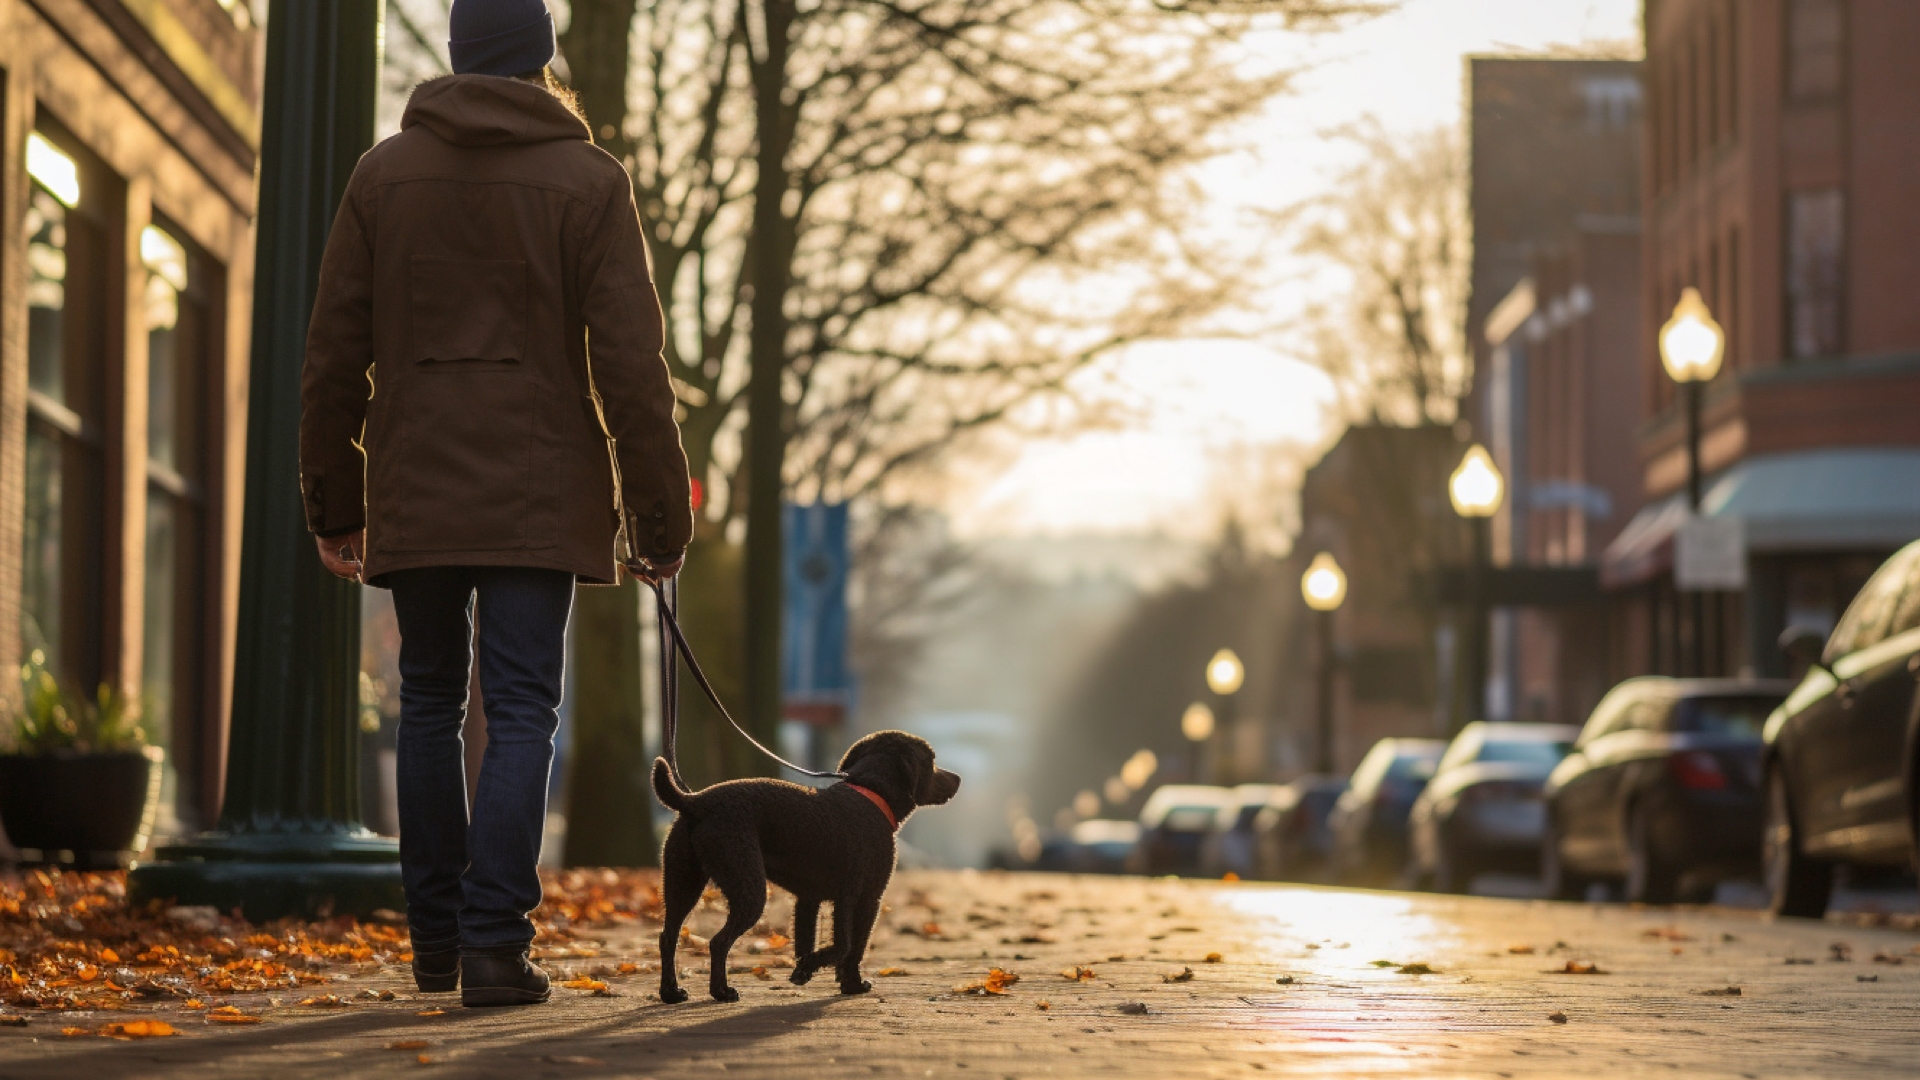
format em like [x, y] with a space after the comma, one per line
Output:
[671, 794]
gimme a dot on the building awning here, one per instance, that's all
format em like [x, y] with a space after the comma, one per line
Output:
[1851, 499]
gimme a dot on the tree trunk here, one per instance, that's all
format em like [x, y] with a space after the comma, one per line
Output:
[609, 803]
[771, 252]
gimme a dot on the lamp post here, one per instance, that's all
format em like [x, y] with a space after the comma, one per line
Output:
[1197, 725]
[1225, 673]
[289, 840]
[1324, 586]
[1477, 490]
[1691, 348]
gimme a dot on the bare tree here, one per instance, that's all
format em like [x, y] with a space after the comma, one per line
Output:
[1395, 235]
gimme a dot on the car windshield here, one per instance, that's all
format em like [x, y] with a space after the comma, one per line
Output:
[1418, 768]
[1526, 751]
[1188, 819]
[1740, 717]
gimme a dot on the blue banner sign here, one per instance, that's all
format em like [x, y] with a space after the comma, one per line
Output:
[816, 683]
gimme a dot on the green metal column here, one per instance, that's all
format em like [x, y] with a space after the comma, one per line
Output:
[289, 840]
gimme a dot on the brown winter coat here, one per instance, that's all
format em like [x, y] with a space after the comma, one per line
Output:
[484, 384]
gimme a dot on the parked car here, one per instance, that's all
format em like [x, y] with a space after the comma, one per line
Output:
[1229, 848]
[1483, 811]
[1369, 820]
[1292, 841]
[1174, 824]
[1842, 751]
[1094, 846]
[1661, 791]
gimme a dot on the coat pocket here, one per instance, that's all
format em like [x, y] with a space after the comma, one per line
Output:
[467, 313]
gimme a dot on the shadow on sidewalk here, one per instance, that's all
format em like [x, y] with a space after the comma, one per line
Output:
[642, 1035]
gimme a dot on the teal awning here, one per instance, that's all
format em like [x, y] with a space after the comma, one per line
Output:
[1854, 499]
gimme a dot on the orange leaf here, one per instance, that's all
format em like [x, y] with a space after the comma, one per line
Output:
[1077, 974]
[777, 941]
[890, 972]
[235, 1017]
[195, 1003]
[424, 1060]
[108, 956]
[584, 983]
[1215, 958]
[431, 1012]
[139, 1029]
[71, 1032]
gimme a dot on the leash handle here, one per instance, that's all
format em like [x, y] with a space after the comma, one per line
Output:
[673, 646]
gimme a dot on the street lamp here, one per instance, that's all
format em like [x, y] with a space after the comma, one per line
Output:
[1197, 725]
[1477, 490]
[1691, 348]
[1225, 673]
[1324, 586]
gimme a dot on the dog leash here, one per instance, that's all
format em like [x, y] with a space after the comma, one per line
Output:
[673, 646]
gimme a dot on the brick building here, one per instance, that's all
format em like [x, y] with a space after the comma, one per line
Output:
[1783, 153]
[1555, 319]
[130, 131]
[1378, 502]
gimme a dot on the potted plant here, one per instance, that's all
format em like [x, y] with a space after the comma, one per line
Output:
[79, 783]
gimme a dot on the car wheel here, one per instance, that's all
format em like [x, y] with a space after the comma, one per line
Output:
[1797, 885]
[1650, 879]
[1559, 881]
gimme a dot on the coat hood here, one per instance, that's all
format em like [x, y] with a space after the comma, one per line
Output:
[484, 110]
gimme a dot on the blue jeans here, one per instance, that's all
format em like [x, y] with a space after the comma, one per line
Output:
[475, 882]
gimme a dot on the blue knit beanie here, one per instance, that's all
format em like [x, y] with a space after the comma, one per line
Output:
[499, 37]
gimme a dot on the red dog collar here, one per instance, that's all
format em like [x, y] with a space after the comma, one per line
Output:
[874, 798]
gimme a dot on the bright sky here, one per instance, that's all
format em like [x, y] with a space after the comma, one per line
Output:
[1195, 403]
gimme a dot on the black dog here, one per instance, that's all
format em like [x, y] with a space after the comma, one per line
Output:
[829, 844]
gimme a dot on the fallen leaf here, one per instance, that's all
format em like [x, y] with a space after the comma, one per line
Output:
[1229, 876]
[1134, 1008]
[584, 983]
[326, 1001]
[1215, 958]
[996, 982]
[1720, 991]
[892, 972]
[193, 1003]
[409, 1044]
[761, 974]
[12, 1020]
[778, 941]
[72, 1032]
[1043, 1005]
[431, 1012]
[1284, 980]
[1577, 967]
[1077, 973]
[139, 1029]
[1416, 969]
[1557, 1017]
[1185, 974]
[1385, 963]
[234, 1017]
[1520, 950]
[423, 1060]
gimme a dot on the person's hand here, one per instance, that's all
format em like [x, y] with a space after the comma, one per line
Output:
[341, 554]
[657, 572]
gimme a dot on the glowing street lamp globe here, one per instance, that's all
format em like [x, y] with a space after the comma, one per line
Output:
[1691, 343]
[1197, 722]
[1477, 488]
[1324, 585]
[1225, 673]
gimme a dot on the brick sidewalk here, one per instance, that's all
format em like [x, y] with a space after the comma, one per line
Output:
[1284, 980]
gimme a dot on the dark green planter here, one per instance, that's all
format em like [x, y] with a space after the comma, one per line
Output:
[86, 810]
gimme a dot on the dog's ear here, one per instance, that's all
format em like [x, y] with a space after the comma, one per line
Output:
[936, 785]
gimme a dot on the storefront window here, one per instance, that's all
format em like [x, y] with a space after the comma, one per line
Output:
[177, 340]
[66, 351]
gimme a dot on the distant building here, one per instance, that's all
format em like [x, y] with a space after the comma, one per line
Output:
[1783, 157]
[125, 278]
[1555, 321]
[1377, 501]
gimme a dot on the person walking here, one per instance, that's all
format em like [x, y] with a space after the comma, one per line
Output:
[486, 419]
